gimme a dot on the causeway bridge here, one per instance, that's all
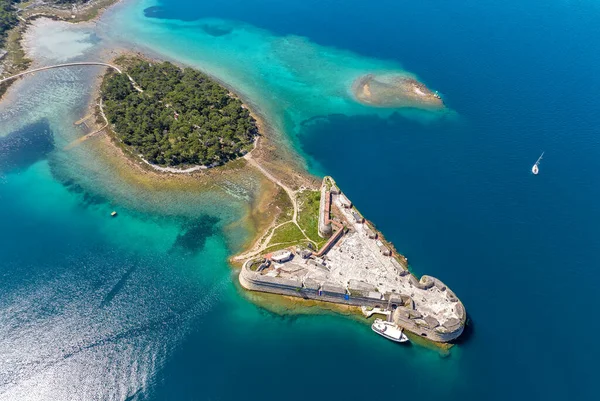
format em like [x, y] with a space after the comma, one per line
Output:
[78, 64]
[83, 63]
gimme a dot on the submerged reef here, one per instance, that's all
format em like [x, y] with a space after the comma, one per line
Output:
[395, 90]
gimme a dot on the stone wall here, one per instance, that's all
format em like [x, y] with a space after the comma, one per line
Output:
[404, 314]
[255, 283]
[325, 248]
[325, 229]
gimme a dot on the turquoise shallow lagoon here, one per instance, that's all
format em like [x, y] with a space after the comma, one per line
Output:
[144, 306]
[288, 78]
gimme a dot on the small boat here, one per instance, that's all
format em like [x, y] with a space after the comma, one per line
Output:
[535, 169]
[113, 214]
[389, 330]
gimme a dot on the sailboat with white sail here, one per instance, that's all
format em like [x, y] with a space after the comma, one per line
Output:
[535, 169]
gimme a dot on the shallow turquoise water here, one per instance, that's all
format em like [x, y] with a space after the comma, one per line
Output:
[144, 306]
[289, 78]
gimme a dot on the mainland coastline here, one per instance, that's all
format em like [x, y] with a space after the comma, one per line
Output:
[14, 58]
[278, 175]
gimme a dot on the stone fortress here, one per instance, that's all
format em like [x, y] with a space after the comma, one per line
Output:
[357, 267]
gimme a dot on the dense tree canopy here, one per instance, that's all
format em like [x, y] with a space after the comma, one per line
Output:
[181, 117]
[8, 17]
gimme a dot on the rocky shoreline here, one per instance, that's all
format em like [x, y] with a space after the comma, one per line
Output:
[395, 91]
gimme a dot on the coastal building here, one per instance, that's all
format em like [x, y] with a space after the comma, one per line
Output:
[370, 233]
[383, 249]
[263, 264]
[360, 288]
[357, 217]
[305, 253]
[344, 201]
[281, 256]
[311, 284]
[332, 289]
[399, 268]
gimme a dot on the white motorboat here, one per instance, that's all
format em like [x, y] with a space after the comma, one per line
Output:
[389, 330]
[535, 169]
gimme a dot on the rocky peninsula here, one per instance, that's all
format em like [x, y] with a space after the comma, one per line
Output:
[328, 252]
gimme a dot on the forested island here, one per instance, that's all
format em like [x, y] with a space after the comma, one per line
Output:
[176, 117]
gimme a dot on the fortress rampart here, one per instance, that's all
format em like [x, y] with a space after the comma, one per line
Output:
[403, 307]
[357, 267]
[325, 229]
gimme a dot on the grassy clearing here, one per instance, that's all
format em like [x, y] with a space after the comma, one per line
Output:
[256, 264]
[287, 233]
[279, 247]
[284, 205]
[308, 216]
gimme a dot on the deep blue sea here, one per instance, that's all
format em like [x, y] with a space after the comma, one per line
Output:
[144, 307]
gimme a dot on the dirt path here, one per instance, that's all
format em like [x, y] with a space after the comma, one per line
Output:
[263, 242]
[291, 193]
[84, 138]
